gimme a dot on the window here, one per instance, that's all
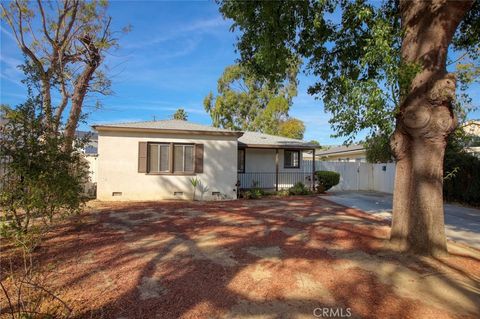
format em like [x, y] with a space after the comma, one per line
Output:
[183, 157]
[158, 158]
[241, 161]
[292, 159]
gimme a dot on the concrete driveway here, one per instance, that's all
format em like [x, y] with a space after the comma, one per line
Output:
[462, 223]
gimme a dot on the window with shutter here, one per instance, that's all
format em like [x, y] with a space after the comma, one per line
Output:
[158, 158]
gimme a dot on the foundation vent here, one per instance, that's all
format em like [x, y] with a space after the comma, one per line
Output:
[117, 194]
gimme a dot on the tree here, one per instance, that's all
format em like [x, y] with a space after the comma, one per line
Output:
[248, 102]
[180, 114]
[42, 181]
[65, 44]
[292, 128]
[378, 149]
[375, 53]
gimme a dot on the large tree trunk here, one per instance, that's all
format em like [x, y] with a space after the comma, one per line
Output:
[424, 122]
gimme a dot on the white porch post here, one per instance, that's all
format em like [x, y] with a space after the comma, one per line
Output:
[276, 169]
[313, 170]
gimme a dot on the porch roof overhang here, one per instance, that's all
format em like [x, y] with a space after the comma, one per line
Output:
[260, 140]
[276, 146]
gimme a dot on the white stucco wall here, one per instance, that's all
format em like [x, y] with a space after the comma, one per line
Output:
[118, 167]
[263, 161]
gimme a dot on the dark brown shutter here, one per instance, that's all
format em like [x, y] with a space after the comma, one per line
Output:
[142, 157]
[198, 158]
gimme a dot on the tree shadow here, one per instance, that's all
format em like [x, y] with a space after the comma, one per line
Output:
[279, 258]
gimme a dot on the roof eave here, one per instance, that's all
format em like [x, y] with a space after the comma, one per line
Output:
[168, 131]
[276, 146]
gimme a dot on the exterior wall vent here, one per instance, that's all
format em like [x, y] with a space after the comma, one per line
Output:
[117, 194]
[177, 193]
[215, 193]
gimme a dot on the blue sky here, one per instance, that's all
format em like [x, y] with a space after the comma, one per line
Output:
[172, 58]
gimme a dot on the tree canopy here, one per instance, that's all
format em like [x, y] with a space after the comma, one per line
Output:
[64, 44]
[180, 114]
[351, 47]
[246, 101]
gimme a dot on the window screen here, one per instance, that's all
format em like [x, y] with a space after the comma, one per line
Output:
[183, 158]
[241, 161]
[158, 158]
[292, 159]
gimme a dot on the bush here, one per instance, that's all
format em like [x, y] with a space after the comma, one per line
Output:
[299, 189]
[283, 192]
[462, 178]
[326, 180]
[42, 180]
[254, 193]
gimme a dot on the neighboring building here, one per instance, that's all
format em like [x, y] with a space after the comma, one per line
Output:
[472, 128]
[157, 160]
[351, 153]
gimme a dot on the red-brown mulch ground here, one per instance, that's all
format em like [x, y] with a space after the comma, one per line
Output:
[270, 258]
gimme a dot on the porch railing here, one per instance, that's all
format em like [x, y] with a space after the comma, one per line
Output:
[269, 180]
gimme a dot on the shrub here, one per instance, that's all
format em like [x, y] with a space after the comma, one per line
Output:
[326, 180]
[462, 178]
[254, 193]
[282, 192]
[299, 189]
[42, 180]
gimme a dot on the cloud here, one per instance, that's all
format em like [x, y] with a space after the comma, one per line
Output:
[7, 33]
[195, 28]
[9, 70]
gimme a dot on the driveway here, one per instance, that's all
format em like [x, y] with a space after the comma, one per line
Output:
[293, 257]
[462, 223]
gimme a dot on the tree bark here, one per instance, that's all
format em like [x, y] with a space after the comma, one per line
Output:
[80, 90]
[424, 121]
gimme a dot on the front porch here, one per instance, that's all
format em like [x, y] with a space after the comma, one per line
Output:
[274, 168]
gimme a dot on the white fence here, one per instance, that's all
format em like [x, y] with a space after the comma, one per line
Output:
[359, 176]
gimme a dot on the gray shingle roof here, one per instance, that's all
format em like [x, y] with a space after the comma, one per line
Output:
[341, 149]
[174, 125]
[247, 139]
[266, 140]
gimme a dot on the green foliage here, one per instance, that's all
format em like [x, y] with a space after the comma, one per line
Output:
[299, 189]
[326, 180]
[180, 114]
[378, 149]
[292, 128]
[356, 59]
[254, 193]
[42, 180]
[195, 182]
[248, 102]
[314, 142]
[462, 178]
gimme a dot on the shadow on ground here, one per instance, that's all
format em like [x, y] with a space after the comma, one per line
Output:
[250, 259]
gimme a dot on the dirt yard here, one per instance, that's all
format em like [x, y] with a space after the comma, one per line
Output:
[271, 258]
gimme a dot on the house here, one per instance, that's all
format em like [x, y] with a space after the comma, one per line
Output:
[157, 159]
[351, 153]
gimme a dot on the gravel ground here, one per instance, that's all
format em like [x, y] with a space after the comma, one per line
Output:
[272, 258]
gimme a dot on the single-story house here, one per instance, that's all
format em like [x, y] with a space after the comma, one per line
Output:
[158, 159]
[351, 153]
[155, 160]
